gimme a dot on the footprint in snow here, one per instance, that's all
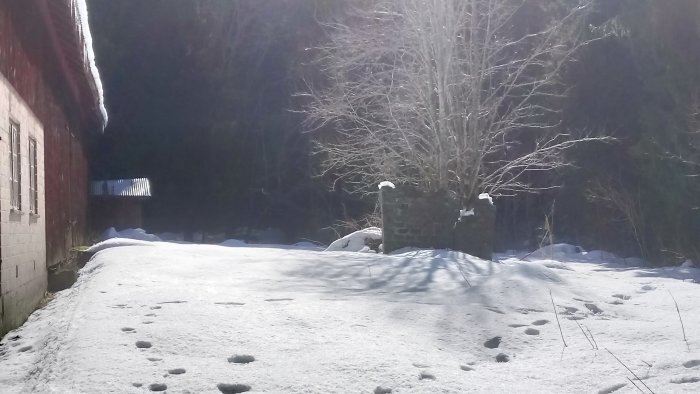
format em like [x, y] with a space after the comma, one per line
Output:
[648, 288]
[532, 331]
[129, 329]
[493, 343]
[151, 315]
[24, 349]
[230, 303]
[624, 297]
[226, 388]
[137, 384]
[158, 387]
[685, 379]
[382, 390]
[177, 371]
[172, 302]
[466, 368]
[421, 365]
[517, 325]
[241, 359]
[569, 310]
[154, 359]
[526, 311]
[155, 307]
[594, 308]
[540, 322]
[148, 322]
[495, 310]
[425, 375]
[611, 389]
[558, 266]
[279, 299]
[691, 363]
[143, 344]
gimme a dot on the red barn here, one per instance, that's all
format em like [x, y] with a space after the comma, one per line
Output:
[50, 103]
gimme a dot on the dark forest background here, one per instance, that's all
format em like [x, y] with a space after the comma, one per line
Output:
[201, 96]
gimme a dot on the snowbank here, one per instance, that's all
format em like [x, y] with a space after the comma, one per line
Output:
[688, 264]
[556, 251]
[233, 243]
[170, 236]
[138, 234]
[567, 252]
[357, 241]
[306, 245]
[117, 242]
[129, 233]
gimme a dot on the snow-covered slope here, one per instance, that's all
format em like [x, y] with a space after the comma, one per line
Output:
[186, 318]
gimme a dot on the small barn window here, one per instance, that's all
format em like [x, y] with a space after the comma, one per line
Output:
[15, 168]
[33, 179]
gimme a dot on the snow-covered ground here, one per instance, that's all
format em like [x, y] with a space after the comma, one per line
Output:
[210, 319]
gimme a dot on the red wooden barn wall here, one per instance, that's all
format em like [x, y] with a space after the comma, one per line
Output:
[28, 62]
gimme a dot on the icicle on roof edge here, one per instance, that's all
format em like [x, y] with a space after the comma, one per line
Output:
[84, 27]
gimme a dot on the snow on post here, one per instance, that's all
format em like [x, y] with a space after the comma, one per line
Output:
[387, 184]
[486, 196]
[464, 212]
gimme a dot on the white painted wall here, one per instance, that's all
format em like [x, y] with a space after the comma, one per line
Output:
[22, 234]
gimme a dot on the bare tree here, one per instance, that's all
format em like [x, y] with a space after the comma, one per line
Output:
[459, 95]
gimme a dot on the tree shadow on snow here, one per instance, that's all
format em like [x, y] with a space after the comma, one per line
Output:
[384, 274]
[682, 274]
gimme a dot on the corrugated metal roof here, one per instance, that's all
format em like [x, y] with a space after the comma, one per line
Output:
[138, 187]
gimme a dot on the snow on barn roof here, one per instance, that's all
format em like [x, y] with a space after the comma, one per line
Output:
[138, 187]
[67, 26]
[84, 29]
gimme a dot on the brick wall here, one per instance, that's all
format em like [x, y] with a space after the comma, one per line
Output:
[29, 62]
[412, 218]
[22, 234]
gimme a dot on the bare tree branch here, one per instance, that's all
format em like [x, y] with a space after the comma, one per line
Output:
[458, 95]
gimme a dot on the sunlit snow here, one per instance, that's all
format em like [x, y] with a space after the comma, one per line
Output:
[211, 319]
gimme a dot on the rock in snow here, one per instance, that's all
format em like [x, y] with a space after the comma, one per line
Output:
[357, 241]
